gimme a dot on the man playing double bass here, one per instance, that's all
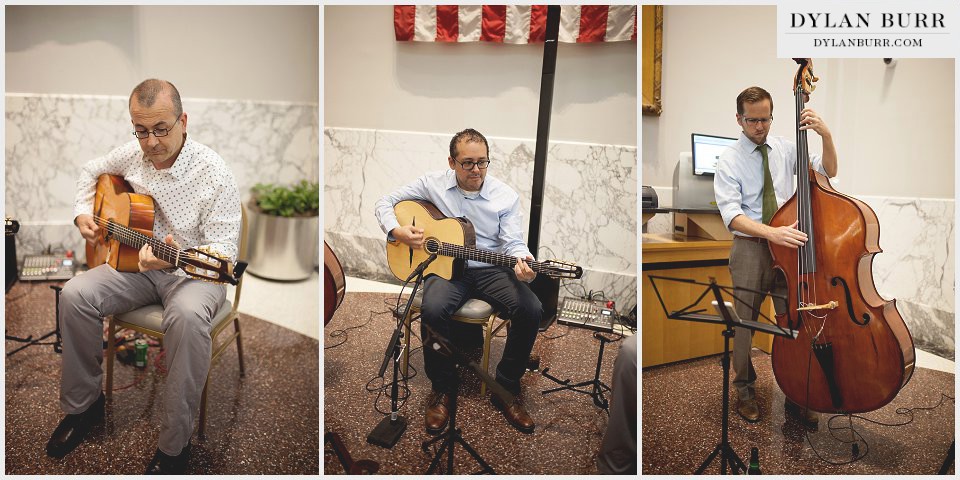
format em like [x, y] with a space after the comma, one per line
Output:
[755, 176]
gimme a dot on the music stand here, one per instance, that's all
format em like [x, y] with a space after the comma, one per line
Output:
[727, 317]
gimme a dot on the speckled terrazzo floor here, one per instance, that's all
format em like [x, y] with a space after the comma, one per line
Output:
[569, 427]
[681, 425]
[264, 423]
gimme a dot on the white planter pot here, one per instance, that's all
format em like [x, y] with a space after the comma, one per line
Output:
[282, 248]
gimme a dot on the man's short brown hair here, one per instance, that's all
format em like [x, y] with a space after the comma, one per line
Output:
[753, 95]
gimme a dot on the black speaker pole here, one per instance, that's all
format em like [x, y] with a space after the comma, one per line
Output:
[546, 289]
[543, 125]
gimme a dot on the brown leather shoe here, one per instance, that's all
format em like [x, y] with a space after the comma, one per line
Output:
[805, 415]
[515, 414]
[749, 410]
[438, 412]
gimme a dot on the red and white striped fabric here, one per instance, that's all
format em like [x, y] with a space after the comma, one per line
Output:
[517, 24]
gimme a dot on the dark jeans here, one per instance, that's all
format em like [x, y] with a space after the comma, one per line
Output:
[500, 288]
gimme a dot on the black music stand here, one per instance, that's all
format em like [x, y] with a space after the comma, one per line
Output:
[453, 435]
[727, 317]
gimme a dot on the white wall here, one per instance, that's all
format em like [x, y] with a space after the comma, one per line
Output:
[217, 52]
[372, 81]
[886, 122]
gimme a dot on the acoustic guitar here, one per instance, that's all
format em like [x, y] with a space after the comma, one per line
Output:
[125, 219]
[454, 241]
[334, 283]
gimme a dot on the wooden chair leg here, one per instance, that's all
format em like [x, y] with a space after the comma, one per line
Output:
[111, 354]
[236, 326]
[487, 334]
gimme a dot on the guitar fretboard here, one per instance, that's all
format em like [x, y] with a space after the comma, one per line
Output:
[493, 258]
[135, 239]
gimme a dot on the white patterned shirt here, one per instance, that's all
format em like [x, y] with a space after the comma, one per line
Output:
[196, 200]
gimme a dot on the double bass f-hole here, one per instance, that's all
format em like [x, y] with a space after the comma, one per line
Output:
[846, 293]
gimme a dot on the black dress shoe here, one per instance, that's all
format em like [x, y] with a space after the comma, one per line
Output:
[74, 428]
[163, 464]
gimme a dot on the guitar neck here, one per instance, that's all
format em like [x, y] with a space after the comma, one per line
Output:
[484, 256]
[135, 239]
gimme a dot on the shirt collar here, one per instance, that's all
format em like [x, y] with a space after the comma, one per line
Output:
[747, 145]
[180, 167]
[484, 188]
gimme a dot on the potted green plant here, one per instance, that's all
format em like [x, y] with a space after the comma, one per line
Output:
[284, 230]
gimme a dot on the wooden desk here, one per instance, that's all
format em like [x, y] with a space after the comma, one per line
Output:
[667, 341]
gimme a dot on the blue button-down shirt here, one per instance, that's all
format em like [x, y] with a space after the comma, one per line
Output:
[495, 213]
[738, 183]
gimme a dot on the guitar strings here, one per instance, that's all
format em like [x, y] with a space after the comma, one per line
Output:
[161, 250]
[493, 258]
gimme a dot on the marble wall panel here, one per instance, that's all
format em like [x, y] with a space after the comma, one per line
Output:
[589, 210]
[49, 137]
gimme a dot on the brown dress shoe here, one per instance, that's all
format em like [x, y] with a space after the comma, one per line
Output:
[749, 410]
[515, 414]
[438, 412]
[805, 415]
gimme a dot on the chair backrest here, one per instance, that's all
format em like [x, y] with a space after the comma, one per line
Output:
[241, 253]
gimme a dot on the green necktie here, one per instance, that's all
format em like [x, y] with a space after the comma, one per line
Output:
[769, 196]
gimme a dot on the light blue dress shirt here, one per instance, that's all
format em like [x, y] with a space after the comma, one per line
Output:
[738, 183]
[495, 213]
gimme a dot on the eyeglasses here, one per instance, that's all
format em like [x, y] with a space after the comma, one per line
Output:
[754, 121]
[157, 132]
[469, 165]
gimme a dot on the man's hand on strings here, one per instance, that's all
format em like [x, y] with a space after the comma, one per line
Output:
[88, 227]
[523, 271]
[787, 236]
[409, 235]
[150, 262]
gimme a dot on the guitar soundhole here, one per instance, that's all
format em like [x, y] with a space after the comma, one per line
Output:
[432, 245]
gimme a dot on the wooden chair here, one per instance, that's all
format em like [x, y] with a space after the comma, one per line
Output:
[148, 320]
[474, 311]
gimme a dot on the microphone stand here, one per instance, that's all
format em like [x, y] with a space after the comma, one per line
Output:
[388, 431]
[452, 436]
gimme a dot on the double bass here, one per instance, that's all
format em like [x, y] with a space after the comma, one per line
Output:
[853, 352]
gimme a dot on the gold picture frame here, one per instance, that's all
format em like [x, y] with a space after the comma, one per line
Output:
[652, 58]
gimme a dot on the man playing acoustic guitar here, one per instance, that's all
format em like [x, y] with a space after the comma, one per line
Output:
[196, 203]
[493, 207]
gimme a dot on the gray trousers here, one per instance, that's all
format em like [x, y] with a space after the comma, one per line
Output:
[618, 450]
[751, 267]
[188, 309]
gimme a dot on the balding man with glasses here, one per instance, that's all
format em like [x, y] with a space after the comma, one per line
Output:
[197, 203]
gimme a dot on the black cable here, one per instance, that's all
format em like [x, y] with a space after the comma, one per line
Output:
[554, 337]
[856, 436]
[343, 331]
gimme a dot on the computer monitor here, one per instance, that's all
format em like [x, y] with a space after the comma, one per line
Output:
[706, 152]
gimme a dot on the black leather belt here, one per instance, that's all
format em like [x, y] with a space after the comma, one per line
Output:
[761, 241]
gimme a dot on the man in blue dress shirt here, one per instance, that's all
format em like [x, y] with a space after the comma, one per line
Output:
[465, 190]
[742, 185]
